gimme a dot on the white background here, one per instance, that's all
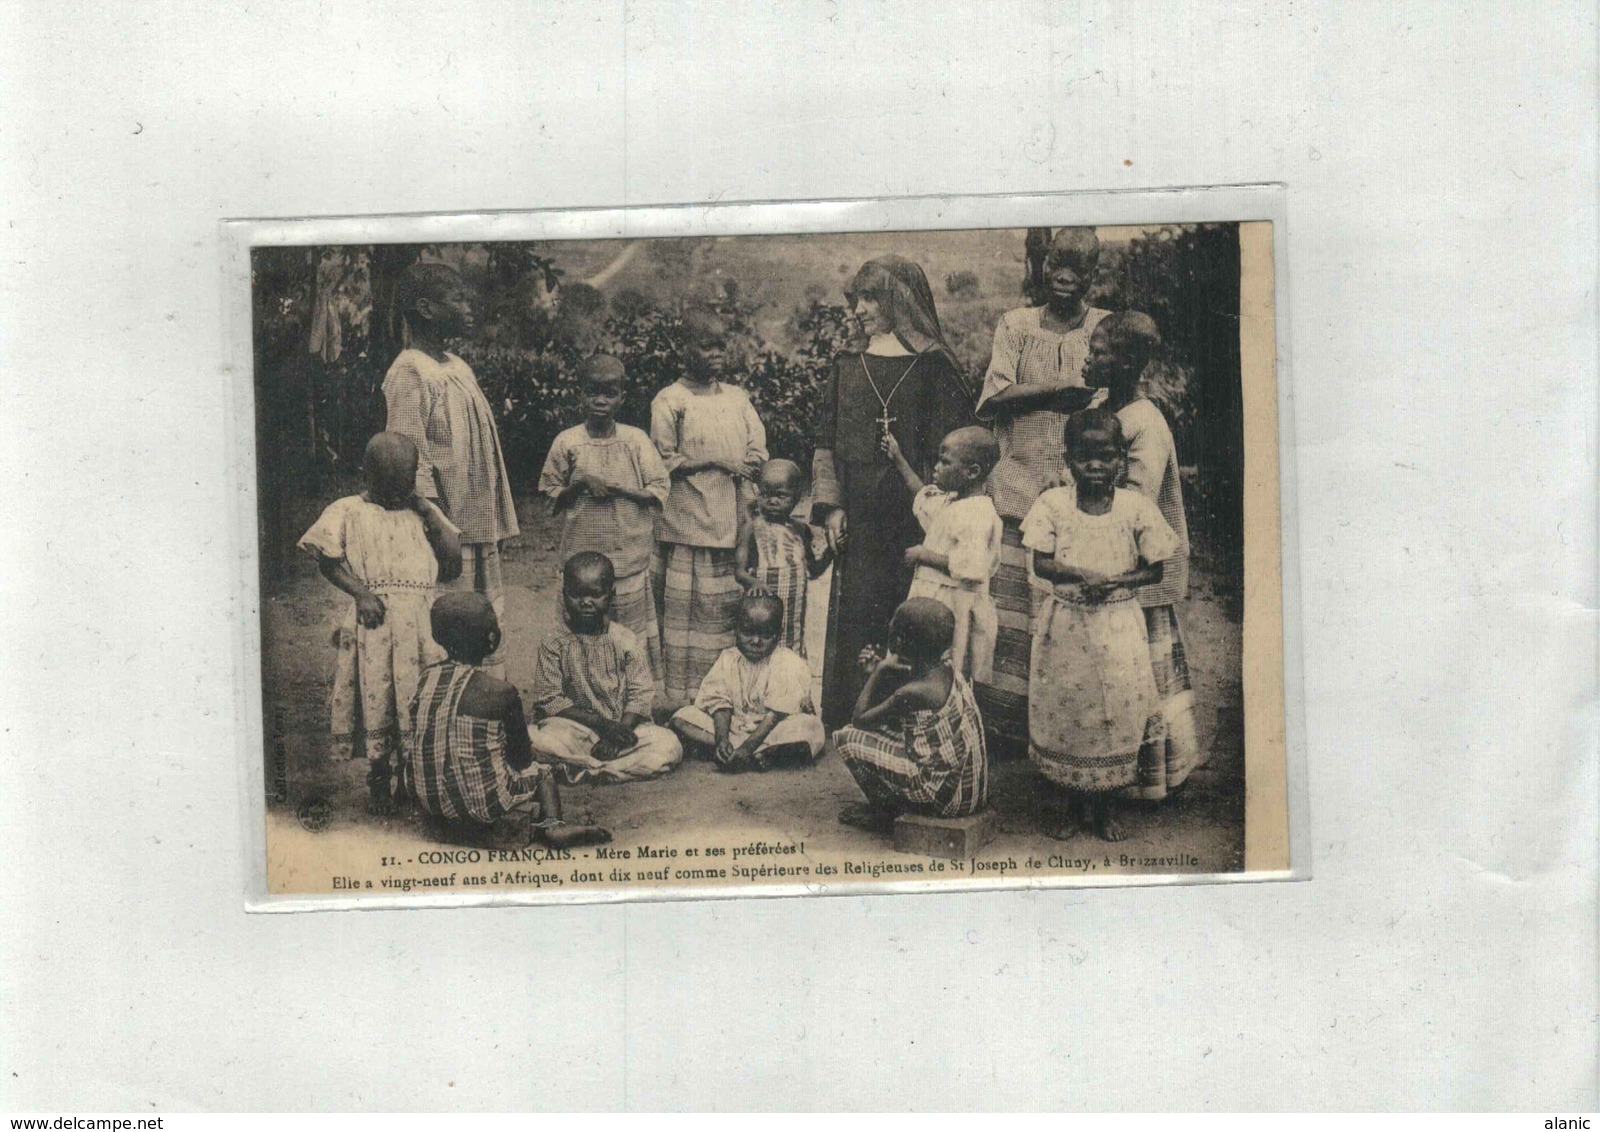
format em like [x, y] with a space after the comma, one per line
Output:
[1440, 161]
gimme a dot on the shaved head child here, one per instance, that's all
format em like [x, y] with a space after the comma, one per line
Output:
[915, 743]
[712, 443]
[470, 760]
[1121, 350]
[607, 482]
[592, 688]
[754, 707]
[960, 549]
[388, 549]
[777, 553]
[1093, 701]
[434, 399]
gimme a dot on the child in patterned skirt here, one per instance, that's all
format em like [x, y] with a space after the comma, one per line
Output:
[1093, 703]
[1121, 348]
[777, 554]
[710, 440]
[387, 548]
[915, 743]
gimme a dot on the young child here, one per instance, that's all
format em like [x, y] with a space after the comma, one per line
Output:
[709, 438]
[469, 756]
[434, 399]
[915, 743]
[1093, 698]
[610, 482]
[387, 548]
[754, 707]
[960, 548]
[776, 554]
[592, 689]
[1120, 350]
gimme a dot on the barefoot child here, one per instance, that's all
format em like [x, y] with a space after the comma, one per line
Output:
[1120, 349]
[592, 688]
[433, 398]
[915, 743]
[609, 481]
[960, 549]
[1093, 697]
[776, 554]
[754, 707]
[1034, 379]
[387, 548]
[469, 757]
[710, 439]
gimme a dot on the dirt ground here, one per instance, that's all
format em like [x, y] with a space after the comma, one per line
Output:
[1204, 820]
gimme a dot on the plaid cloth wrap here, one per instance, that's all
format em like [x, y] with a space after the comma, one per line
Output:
[937, 764]
[1171, 750]
[781, 566]
[699, 599]
[1004, 696]
[458, 762]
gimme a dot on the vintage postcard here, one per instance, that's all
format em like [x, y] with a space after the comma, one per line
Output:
[602, 558]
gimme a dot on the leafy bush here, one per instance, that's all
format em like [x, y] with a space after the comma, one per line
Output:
[534, 389]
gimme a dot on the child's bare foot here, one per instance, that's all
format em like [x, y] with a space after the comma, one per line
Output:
[1067, 821]
[570, 836]
[873, 819]
[1107, 827]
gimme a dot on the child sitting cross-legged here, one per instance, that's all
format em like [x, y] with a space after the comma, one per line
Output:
[754, 707]
[470, 761]
[915, 741]
[592, 687]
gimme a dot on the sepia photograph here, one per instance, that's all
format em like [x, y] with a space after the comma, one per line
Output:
[772, 563]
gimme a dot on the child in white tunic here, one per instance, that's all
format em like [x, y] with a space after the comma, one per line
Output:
[960, 549]
[387, 548]
[754, 707]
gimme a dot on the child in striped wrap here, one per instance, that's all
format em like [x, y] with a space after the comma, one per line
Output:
[712, 442]
[777, 554]
[469, 758]
[915, 743]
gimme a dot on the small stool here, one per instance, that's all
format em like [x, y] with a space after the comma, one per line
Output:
[957, 838]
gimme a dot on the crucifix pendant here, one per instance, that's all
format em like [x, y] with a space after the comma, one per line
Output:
[884, 421]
